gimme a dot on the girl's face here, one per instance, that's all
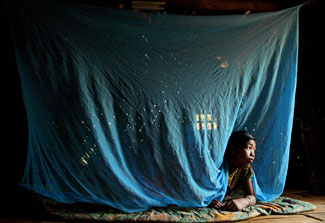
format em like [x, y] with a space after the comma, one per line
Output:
[246, 154]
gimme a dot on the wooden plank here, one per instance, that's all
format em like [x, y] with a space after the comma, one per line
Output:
[148, 5]
[318, 216]
[283, 218]
[226, 5]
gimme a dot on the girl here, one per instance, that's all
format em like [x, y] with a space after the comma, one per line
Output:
[240, 153]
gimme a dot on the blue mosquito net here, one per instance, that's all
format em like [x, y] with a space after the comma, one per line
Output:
[134, 110]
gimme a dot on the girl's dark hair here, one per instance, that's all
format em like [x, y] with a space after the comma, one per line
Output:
[238, 139]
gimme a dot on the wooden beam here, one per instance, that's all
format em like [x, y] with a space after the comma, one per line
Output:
[148, 5]
[226, 5]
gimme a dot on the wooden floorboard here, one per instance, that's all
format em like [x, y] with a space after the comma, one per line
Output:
[315, 216]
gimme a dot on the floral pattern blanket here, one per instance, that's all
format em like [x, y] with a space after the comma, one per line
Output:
[94, 212]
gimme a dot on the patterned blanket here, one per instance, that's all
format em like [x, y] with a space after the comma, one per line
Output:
[92, 212]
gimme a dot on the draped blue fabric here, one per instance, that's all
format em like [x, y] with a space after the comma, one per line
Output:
[134, 110]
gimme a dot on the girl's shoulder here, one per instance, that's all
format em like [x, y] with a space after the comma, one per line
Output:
[247, 172]
[243, 172]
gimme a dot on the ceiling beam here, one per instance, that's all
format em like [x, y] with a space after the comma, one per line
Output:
[226, 5]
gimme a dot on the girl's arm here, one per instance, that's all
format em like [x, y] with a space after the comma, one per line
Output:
[240, 203]
[249, 192]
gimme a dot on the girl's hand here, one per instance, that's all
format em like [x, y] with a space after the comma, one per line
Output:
[215, 204]
[235, 204]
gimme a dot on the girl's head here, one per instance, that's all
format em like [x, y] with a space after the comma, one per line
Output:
[241, 148]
